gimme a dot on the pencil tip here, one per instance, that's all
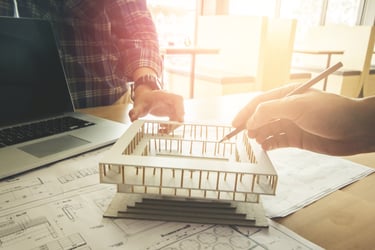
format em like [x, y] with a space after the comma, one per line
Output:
[222, 140]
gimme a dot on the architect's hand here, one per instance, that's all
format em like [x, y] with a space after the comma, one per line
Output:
[158, 103]
[317, 121]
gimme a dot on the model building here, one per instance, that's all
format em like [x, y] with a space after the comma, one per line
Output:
[188, 175]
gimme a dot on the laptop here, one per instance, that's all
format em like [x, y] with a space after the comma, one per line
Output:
[38, 124]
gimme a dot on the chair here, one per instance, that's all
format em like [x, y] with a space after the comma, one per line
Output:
[277, 56]
[356, 43]
[259, 59]
[369, 80]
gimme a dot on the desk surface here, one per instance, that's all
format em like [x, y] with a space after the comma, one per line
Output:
[344, 219]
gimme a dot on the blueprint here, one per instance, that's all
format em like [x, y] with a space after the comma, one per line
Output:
[61, 207]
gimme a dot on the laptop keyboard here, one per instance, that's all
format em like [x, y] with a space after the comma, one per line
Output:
[23, 133]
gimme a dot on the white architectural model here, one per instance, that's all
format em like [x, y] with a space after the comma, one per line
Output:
[187, 175]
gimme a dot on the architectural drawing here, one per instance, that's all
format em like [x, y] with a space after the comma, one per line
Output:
[21, 226]
[188, 175]
[64, 205]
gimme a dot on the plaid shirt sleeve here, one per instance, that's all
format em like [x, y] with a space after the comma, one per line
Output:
[101, 44]
[133, 29]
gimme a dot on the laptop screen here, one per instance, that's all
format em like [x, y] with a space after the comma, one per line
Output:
[32, 80]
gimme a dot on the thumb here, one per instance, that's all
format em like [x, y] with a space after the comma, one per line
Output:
[133, 114]
[136, 112]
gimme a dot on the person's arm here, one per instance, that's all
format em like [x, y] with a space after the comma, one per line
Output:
[366, 117]
[136, 36]
[317, 121]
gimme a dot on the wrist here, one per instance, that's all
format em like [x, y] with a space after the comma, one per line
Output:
[147, 82]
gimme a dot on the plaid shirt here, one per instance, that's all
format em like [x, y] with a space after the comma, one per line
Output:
[101, 43]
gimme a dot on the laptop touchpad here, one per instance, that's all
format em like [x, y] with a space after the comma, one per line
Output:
[53, 146]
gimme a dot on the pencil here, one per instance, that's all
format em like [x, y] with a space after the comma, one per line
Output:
[299, 90]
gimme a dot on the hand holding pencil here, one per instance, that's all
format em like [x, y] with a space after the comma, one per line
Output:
[307, 118]
[297, 90]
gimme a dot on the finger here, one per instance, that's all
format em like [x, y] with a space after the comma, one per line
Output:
[309, 142]
[288, 108]
[135, 113]
[276, 141]
[274, 128]
[168, 128]
[177, 110]
[247, 111]
[280, 133]
[176, 114]
[172, 107]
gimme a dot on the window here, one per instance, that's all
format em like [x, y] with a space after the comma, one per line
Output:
[174, 21]
[342, 12]
[252, 7]
[307, 12]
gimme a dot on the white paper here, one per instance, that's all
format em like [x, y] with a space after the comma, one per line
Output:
[61, 207]
[304, 177]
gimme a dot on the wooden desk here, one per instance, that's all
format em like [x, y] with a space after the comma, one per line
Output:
[343, 220]
[189, 51]
[329, 54]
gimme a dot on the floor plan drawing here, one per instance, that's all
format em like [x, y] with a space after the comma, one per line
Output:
[69, 215]
[21, 226]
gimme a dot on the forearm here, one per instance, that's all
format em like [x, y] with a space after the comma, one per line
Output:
[366, 121]
[135, 36]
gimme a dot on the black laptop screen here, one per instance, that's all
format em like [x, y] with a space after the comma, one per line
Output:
[32, 80]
